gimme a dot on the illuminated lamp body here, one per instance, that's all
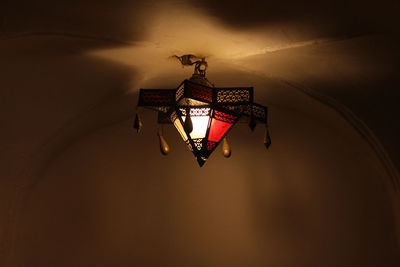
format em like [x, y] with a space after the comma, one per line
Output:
[202, 113]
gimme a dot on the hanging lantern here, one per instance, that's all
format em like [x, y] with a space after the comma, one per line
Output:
[203, 114]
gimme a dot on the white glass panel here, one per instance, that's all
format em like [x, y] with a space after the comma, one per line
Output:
[200, 123]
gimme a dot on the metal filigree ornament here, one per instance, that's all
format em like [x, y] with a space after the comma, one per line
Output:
[202, 114]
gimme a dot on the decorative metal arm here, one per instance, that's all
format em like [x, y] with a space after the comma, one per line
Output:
[199, 62]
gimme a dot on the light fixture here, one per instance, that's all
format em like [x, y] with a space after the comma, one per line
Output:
[202, 114]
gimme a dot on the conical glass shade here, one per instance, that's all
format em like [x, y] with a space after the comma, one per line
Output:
[209, 128]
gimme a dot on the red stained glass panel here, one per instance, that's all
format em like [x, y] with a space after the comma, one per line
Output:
[218, 130]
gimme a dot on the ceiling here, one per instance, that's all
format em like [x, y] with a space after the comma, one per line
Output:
[343, 50]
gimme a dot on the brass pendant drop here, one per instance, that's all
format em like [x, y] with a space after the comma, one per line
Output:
[267, 138]
[137, 125]
[226, 149]
[164, 147]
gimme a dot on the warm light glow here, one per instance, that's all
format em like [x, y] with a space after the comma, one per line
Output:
[181, 29]
[200, 125]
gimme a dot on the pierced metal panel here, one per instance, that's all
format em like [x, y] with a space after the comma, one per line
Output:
[195, 112]
[156, 97]
[179, 92]
[198, 92]
[234, 95]
[259, 112]
[223, 116]
[211, 145]
[159, 108]
[198, 143]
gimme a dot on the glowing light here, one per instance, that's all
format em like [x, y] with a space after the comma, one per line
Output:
[200, 123]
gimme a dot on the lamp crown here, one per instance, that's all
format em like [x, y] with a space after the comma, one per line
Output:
[200, 68]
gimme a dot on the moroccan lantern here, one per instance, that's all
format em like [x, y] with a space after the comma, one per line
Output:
[202, 114]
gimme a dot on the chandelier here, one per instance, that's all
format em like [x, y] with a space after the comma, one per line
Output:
[202, 114]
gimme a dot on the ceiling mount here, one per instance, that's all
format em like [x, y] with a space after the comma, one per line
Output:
[200, 68]
[202, 113]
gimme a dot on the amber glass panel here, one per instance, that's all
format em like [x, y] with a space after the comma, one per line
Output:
[179, 127]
